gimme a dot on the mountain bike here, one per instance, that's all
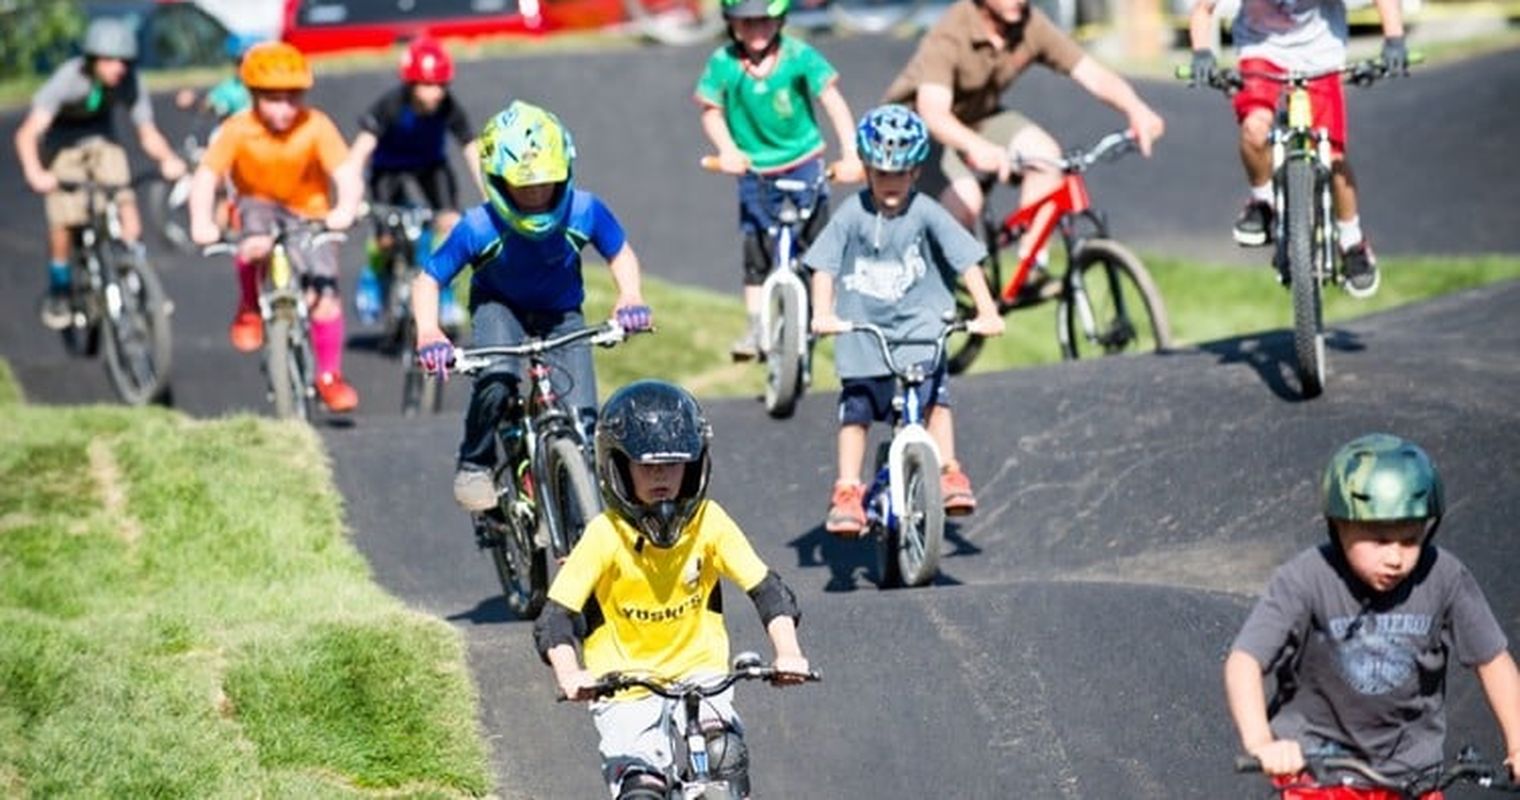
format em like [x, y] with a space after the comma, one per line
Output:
[290, 369]
[545, 489]
[903, 505]
[1305, 253]
[1106, 301]
[786, 341]
[1335, 769]
[117, 300]
[695, 758]
[404, 227]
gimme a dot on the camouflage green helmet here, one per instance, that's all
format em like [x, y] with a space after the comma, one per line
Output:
[1381, 477]
[755, 9]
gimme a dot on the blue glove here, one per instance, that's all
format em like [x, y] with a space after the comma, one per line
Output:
[1395, 56]
[1204, 68]
[436, 357]
[635, 318]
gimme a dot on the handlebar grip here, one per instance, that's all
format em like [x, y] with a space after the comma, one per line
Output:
[1183, 72]
[1244, 763]
[710, 163]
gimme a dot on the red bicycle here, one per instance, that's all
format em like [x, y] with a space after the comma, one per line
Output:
[1105, 299]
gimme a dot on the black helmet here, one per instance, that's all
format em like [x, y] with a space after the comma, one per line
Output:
[653, 422]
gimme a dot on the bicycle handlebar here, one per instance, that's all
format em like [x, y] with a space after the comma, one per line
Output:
[614, 682]
[320, 235]
[886, 343]
[711, 164]
[1360, 73]
[1109, 148]
[388, 212]
[1470, 767]
[92, 185]
[471, 360]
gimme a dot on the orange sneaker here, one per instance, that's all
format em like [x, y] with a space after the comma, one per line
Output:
[955, 490]
[847, 515]
[336, 393]
[247, 331]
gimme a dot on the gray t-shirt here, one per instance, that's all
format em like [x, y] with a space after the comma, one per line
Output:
[896, 272]
[1367, 671]
[1303, 35]
[82, 108]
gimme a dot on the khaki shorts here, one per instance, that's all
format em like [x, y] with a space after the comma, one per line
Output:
[1000, 128]
[92, 158]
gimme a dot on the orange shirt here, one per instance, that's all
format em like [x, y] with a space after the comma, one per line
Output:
[291, 168]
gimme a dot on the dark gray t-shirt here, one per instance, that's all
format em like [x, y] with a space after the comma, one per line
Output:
[82, 108]
[1367, 671]
[896, 272]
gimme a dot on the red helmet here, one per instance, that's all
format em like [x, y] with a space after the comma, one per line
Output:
[425, 61]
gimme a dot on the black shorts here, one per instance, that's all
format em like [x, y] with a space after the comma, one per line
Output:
[866, 400]
[439, 189]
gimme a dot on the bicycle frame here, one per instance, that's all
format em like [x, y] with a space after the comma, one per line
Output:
[1057, 208]
[786, 267]
[1294, 137]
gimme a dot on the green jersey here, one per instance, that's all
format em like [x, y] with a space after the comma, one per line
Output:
[771, 118]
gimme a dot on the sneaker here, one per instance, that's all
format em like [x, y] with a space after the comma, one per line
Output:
[847, 514]
[247, 331]
[54, 311]
[746, 347]
[367, 299]
[955, 490]
[337, 394]
[1254, 226]
[473, 489]
[1359, 266]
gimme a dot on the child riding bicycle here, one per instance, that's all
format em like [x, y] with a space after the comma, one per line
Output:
[1273, 39]
[643, 580]
[281, 154]
[894, 255]
[756, 95]
[402, 139]
[524, 245]
[1358, 631]
[228, 96]
[72, 118]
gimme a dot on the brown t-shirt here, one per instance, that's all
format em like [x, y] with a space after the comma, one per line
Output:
[957, 53]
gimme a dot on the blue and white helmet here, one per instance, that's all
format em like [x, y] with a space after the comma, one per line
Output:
[892, 138]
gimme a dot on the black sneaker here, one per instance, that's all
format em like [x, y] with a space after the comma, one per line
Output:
[55, 312]
[1359, 267]
[1253, 228]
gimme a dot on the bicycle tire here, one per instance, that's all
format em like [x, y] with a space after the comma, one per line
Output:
[676, 24]
[1116, 288]
[963, 348]
[1308, 323]
[568, 494]
[783, 360]
[910, 548]
[521, 567]
[138, 346]
[285, 372]
[81, 337]
[419, 391]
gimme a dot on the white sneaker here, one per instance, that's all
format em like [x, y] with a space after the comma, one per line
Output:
[474, 490]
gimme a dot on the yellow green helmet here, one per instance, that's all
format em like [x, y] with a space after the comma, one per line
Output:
[1381, 477]
[525, 145]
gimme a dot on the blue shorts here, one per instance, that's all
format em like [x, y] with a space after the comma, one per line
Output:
[866, 400]
[759, 207]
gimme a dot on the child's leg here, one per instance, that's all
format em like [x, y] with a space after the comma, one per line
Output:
[954, 486]
[635, 747]
[728, 756]
[852, 452]
[858, 406]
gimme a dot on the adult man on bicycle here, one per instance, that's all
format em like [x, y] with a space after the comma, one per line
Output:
[1273, 38]
[71, 119]
[956, 80]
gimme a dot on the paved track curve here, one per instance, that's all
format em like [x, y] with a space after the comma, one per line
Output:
[1130, 508]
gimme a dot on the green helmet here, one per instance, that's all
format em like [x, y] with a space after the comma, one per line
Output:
[1381, 477]
[753, 9]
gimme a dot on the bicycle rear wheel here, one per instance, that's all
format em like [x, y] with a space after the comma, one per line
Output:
[568, 495]
[963, 348]
[910, 547]
[1110, 305]
[138, 343]
[783, 359]
[1303, 280]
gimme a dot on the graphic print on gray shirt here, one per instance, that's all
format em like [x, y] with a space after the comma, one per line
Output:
[896, 272]
[1304, 35]
[82, 108]
[1367, 671]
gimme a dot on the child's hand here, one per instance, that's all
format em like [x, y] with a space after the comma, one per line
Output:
[827, 324]
[204, 232]
[733, 162]
[255, 248]
[339, 219]
[184, 98]
[790, 670]
[576, 684]
[1280, 757]
[172, 168]
[986, 325]
[848, 170]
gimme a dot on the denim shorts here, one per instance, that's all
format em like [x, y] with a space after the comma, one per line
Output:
[866, 400]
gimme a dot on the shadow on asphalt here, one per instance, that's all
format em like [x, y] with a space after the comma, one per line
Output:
[854, 564]
[490, 611]
[1271, 356]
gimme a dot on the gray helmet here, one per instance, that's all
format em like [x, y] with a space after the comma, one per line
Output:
[111, 37]
[1381, 477]
[653, 422]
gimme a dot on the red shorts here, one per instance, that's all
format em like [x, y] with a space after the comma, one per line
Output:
[1327, 98]
[1300, 787]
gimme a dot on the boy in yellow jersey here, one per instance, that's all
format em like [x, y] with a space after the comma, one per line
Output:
[644, 577]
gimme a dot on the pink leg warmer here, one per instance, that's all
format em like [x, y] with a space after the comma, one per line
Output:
[248, 284]
[327, 341]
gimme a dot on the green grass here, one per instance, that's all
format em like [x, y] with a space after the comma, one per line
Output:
[1205, 302]
[182, 616]
[10, 390]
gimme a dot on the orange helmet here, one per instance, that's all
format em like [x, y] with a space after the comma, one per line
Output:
[425, 61]
[275, 66]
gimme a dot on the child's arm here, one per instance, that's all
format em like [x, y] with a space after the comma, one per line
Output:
[789, 658]
[850, 169]
[203, 228]
[1501, 684]
[363, 147]
[1201, 26]
[1246, 694]
[824, 320]
[572, 679]
[730, 159]
[988, 321]
[625, 273]
[471, 150]
[349, 178]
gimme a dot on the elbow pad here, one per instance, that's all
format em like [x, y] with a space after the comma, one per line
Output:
[773, 598]
[555, 626]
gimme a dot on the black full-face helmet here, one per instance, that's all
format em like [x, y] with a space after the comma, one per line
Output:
[653, 422]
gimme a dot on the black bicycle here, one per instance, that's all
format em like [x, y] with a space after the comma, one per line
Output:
[117, 301]
[545, 489]
[1335, 768]
[691, 774]
[403, 227]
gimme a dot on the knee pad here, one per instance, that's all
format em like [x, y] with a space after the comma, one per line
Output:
[639, 784]
[757, 258]
[727, 756]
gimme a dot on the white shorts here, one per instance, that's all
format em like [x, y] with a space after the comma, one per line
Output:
[637, 732]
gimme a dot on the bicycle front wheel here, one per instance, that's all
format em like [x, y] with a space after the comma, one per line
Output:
[568, 494]
[137, 339]
[521, 567]
[783, 356]
[910, 547]
[419, 391]
[1110, 305]
[1308, 324]
[287, 367]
